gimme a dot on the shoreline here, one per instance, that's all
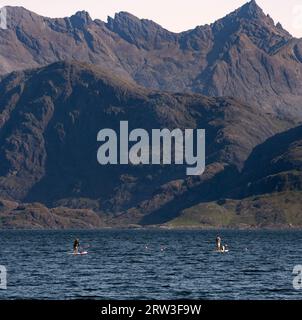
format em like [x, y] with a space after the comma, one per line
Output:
[161, 228]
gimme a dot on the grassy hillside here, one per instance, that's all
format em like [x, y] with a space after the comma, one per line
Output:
[272, 210]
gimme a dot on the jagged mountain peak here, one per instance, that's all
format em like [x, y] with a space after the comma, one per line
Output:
[250, 13]
[80, 19]
[83, 14]
[126, 20]
[250, 21]
[124, 15]
[143, 33]
[251, 10]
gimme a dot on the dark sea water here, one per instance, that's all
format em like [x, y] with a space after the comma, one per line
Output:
[150, 264]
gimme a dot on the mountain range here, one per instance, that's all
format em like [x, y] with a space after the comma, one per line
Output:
[62, 80]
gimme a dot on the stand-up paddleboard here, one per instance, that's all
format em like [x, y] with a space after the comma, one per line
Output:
[222, 251]
[78, 253]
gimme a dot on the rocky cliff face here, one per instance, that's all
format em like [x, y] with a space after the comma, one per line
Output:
[244, 55]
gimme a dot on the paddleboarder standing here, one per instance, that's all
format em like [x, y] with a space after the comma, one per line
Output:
[76, 245]
[218, 243]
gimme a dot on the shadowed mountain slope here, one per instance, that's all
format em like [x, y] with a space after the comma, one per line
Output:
[50, 117]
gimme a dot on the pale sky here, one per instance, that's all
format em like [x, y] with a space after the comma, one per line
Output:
[174, 15]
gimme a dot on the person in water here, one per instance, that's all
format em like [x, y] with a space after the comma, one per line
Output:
[218, 243]
[76, 245]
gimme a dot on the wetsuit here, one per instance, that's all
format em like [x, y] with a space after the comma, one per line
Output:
[218, 243]
[76, 245]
